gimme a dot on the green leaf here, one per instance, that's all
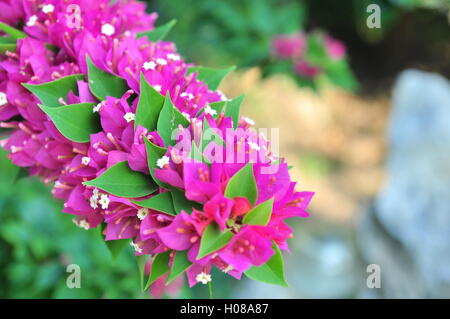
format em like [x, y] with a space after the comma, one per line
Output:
[213, 240]
[7, 40]
[13, 32]
[243, 184]
[7, 47]
[218, 107]
[168, 121]
[141, 261]
[180, 202]
[154, 153]
[158, 33]
[49, 93]
[120, 180]
[115, 247]
[103, 84]
[259, 215]
[75, 121]
[272, 272]
[180, 264]
[160, 266]
[233, 109]
[211, 76]
[149, 106]
[162, 202]
[8, 170]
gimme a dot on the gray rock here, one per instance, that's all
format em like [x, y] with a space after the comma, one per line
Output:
[407, 231]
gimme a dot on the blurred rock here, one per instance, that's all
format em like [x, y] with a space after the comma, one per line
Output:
[407, 229]
[322, 264]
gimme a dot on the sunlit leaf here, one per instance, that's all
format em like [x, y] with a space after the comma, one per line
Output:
[50, 93]
[75, 121]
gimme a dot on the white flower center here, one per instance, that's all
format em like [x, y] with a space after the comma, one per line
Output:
[85, 160]
[104, 201]
[173, 57]
[254, 146]
[32, 21]
[136, 247]
[108, 29]
[210, 111]
[204, 278]
[186, 115]
[227, 269]
[189, 96]
[97, 107]
[48, 8]
[222, 96]
[129, 117]
[82, 223]
[248, 120]
[162, 161]
[94, 199]
[149, 65]
[142, 213]
[3, 99]
[161, 61]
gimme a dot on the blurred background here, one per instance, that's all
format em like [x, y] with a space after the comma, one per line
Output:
[364, 118]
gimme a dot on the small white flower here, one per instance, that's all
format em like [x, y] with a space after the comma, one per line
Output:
[85, 160]
[173, 57]
[15, 149]
[108, 29]
[32, 21]
[228, 269]
[129, 117]
[142, 213]
[254, 146]
[248, 120]
[204, 278]
[94, 200]
[186, 115]
[149, 65]
[3, 99]
[189, 96]
[104, 201]
[161, 61]
[96, 108]
[210, 111]
[157, 87]
[222, 96]
[136, 247]
[162, 161]
[82, 223]
[48, 8]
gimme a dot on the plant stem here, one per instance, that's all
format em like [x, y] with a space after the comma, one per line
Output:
[210, 290]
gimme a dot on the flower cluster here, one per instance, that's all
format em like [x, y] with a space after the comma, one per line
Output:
[309, 54]
[139, 142]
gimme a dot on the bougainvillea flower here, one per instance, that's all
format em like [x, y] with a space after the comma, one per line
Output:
[289, 46]
[335, 48]
[306, 69]
[92, 106]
